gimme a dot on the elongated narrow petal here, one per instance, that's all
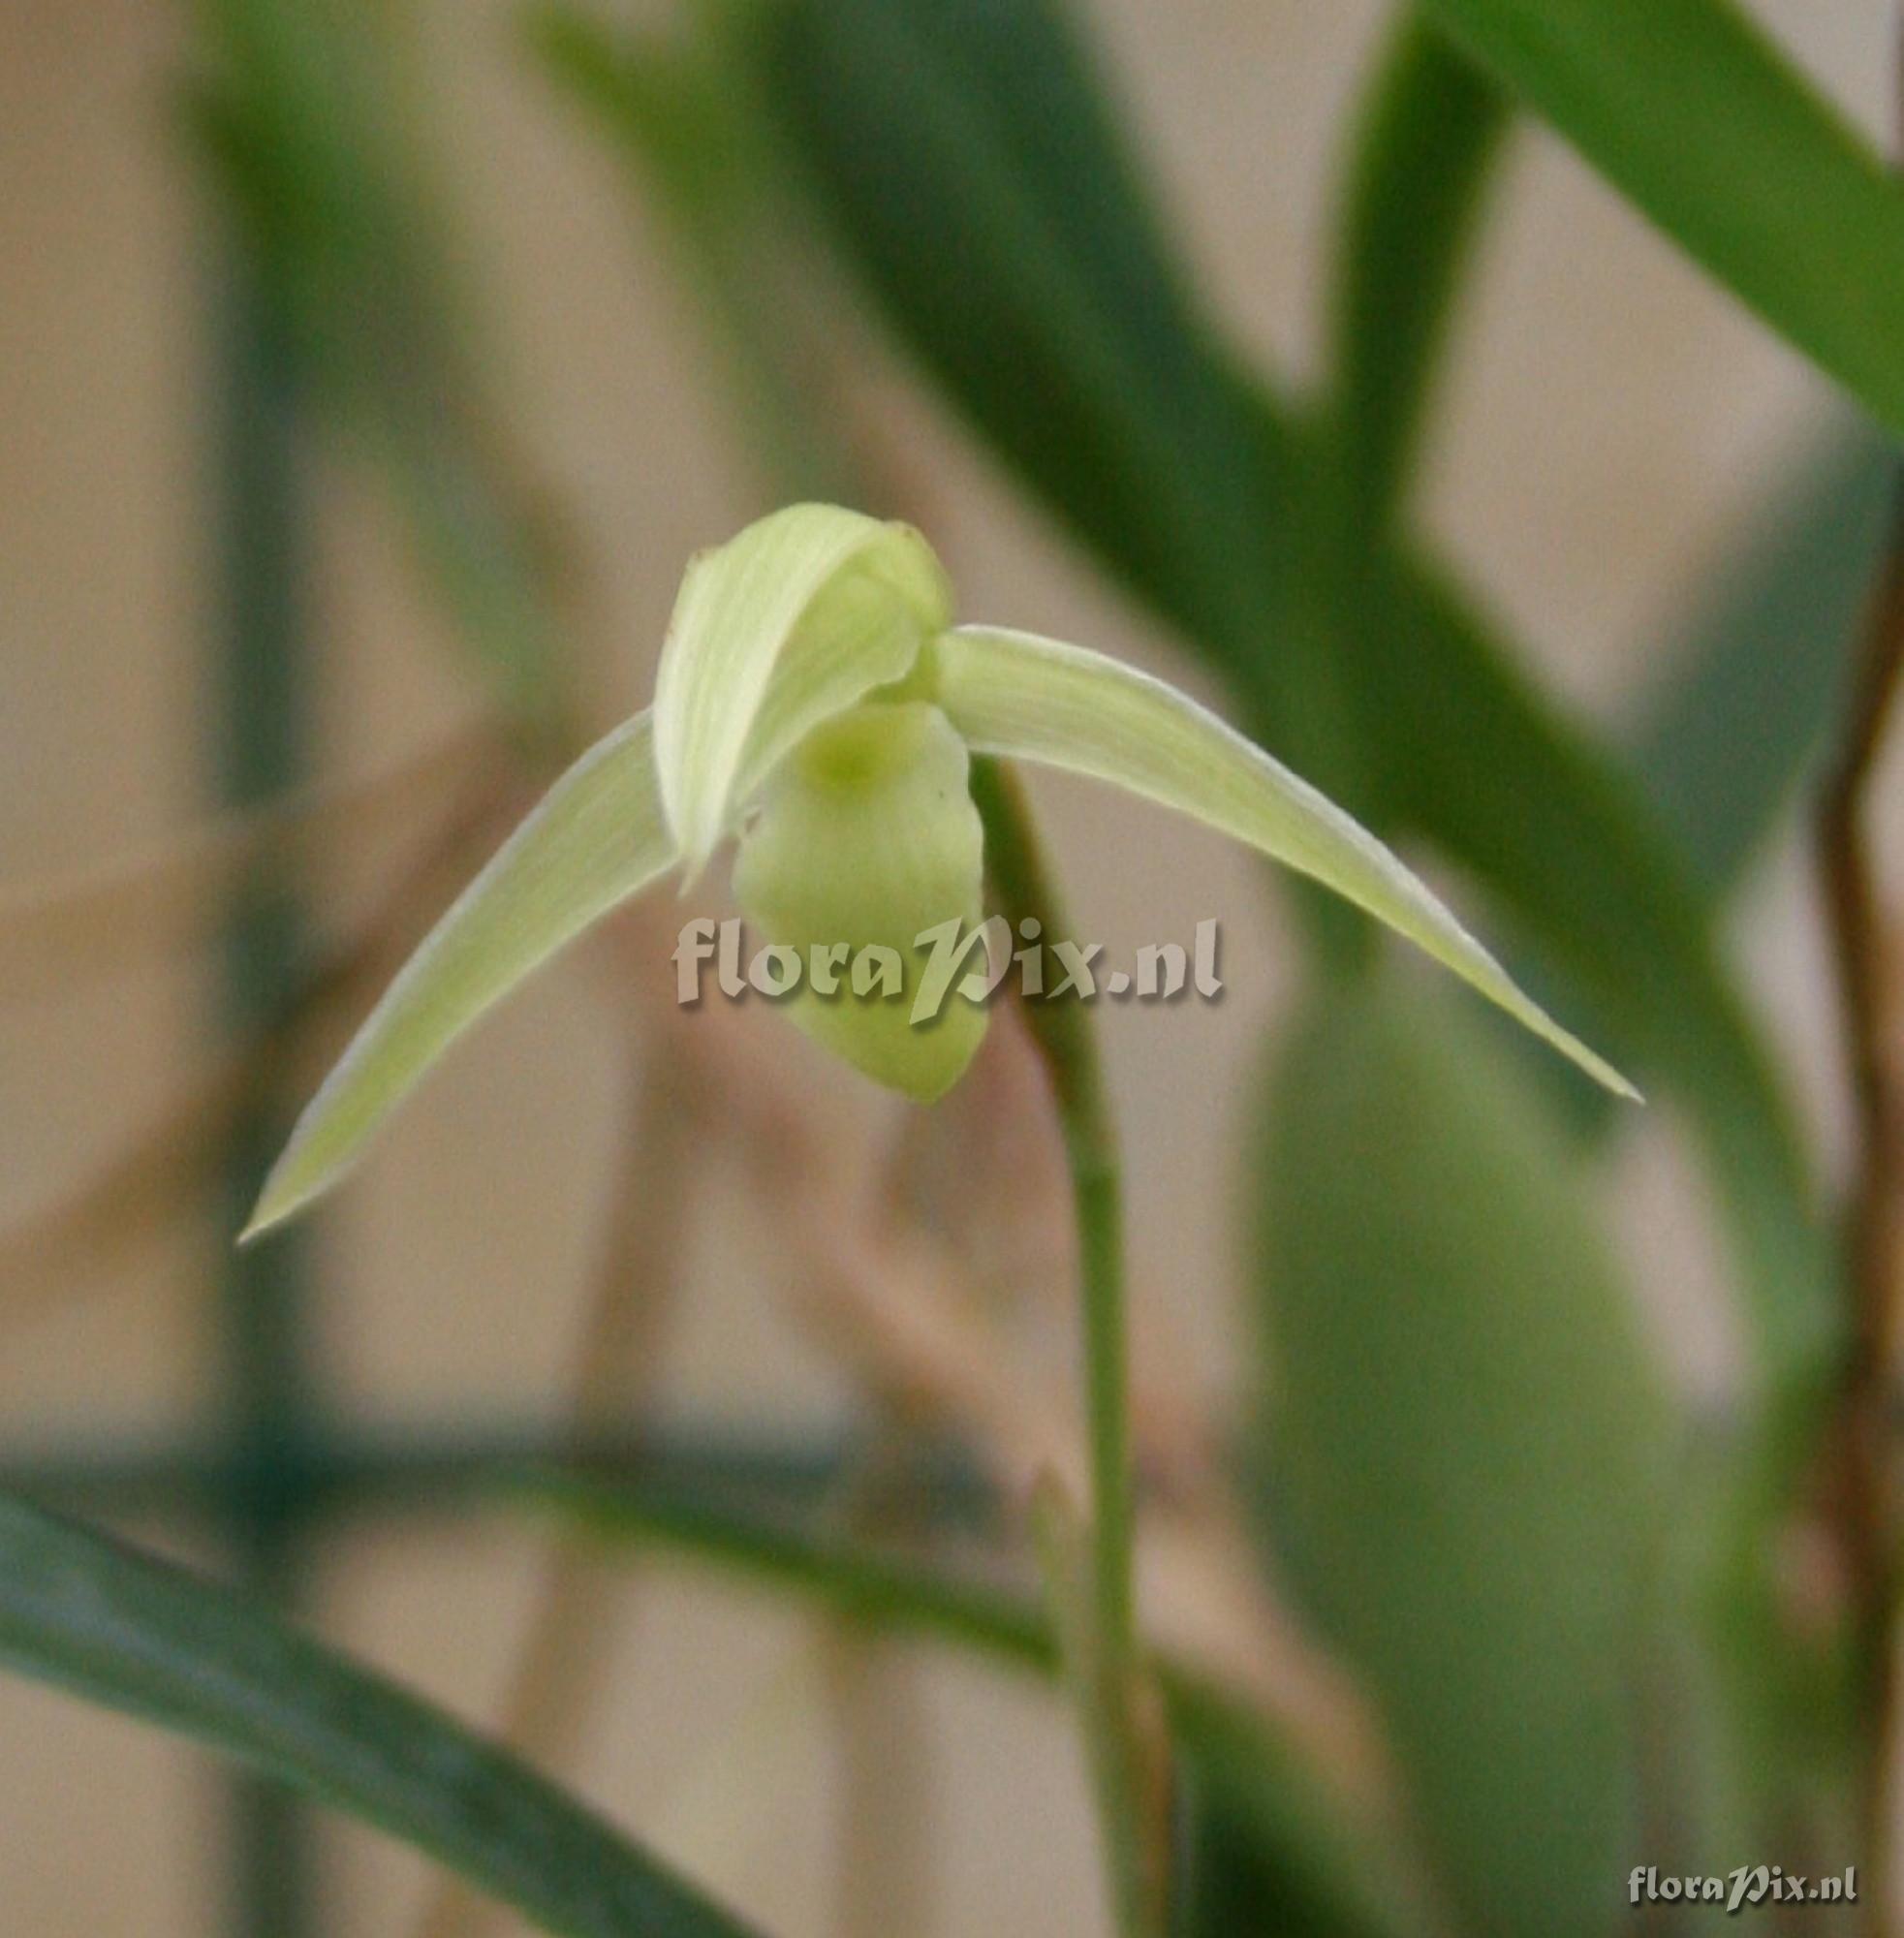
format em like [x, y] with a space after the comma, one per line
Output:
[597, 839]
[787, 624]
[1037, 700]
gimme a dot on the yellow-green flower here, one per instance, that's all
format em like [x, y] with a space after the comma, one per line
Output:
[816, 703]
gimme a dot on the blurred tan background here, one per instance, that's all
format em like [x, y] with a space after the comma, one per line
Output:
[1615, 418]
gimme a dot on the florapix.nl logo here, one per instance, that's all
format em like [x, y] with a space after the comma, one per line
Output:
[1747, 1886]
[976, 960]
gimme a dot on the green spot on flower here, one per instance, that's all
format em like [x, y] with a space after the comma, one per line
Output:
[866, 838]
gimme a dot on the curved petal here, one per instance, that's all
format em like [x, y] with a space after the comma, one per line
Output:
[787, 624]
[596, 838]
[1037, 700]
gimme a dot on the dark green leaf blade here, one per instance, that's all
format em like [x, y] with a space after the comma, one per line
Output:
[1422, 159]
[1279, 1820]
[1690, 111]
[971, 168]
[1582, 874]
[682, 110]
[1264, 1859]
[1466, 1441]
[1754, 685]
[136, 1635]
[1755, 673]
[311, 145]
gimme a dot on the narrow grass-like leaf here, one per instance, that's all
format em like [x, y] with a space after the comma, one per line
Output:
[1264, 1855]
[136, 1635]
[1755, 673]
[1306, 1846]
[681, 107]
[1466, 1468]
[1689, 109]
[969, 163]
[1582, 874]
[1754, 683]
[1422, 158]
[1039, 699]
[791, 620]
[597, 837]
[883, 1589]
[302, 118]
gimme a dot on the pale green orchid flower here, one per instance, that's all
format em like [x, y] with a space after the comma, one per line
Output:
[816, 702]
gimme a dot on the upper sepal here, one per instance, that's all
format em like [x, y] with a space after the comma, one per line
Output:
[783, 627]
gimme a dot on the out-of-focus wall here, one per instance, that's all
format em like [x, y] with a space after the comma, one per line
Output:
[1610, 416]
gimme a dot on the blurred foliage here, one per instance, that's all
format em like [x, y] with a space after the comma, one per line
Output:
[311, 131]
[1467, 1446]
[1472, 1475]
[684, 112]
[151, 1640]
[1688, 109]
[1751, 691]
[1262, 1816]
[1418, 169]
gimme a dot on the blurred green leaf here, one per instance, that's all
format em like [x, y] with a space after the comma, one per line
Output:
[1585, 879]
[1466, 1441]
[1235, 1886]
[1264, 1855]
[883, 1589]
[968, 161]
[312, 143]
[1423, 155]
[1303, 1843]
[1753, 684]
[1753, 675]
[1530, 807]
[1689, 109]
[683, 110]
[135, 1635]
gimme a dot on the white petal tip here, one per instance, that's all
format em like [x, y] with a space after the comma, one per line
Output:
[263, 1221]
[278, 1203]
[1594, 1065]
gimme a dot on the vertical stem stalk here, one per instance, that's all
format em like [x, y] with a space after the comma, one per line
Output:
[1867, 1495]
[261, 757]
[1867, 1504]
[1128, 1752]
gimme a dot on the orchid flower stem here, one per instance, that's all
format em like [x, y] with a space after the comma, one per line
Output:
[1126, 1753]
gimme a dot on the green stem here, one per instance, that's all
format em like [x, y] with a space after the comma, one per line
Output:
[1124, 1751]
[263, 668]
